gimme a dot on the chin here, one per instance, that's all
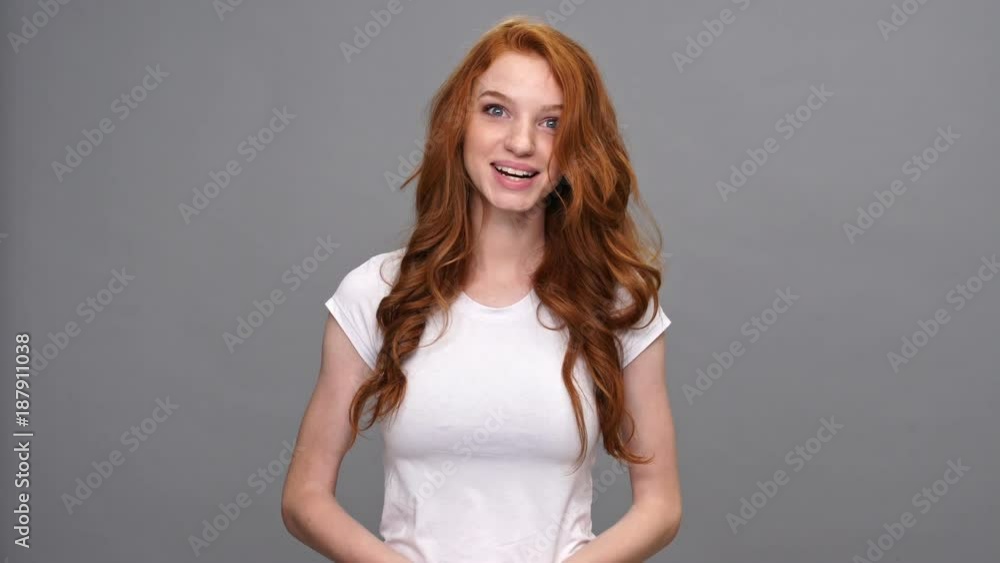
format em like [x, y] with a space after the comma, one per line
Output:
[507, 200]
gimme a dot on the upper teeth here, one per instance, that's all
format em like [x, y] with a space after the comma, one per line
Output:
[514, 171]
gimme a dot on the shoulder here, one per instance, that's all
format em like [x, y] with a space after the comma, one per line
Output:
[623, 299]
[652, 309]
[374, 277]
[640, 335]
[355, 302]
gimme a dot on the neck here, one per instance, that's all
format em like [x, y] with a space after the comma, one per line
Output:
[508, 245]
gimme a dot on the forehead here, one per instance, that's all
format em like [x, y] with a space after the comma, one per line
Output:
[525, 78]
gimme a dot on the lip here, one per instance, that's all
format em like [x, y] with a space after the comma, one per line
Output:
[514, 165]
[510, 184]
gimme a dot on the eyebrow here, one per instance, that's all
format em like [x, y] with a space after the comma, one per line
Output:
[505, 98]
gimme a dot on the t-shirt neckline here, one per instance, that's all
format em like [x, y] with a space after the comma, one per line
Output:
[477, 307]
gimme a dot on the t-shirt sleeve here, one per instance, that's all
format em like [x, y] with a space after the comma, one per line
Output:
[354, 305]
[638, 338]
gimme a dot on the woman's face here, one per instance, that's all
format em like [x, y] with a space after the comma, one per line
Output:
[512, 124]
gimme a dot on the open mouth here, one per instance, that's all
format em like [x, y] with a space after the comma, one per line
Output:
[515, 173]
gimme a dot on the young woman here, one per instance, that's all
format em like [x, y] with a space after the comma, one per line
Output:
[520, 322]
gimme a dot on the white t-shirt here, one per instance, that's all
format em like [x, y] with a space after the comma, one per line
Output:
[478, 459]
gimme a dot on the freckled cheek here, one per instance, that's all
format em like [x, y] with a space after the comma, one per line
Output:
[485, 139]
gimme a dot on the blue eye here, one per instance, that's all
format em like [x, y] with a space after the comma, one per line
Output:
[488, 107]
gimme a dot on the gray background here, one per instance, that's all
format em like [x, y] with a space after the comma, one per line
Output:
[324, 176]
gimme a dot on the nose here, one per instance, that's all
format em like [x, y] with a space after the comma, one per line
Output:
[520, 139]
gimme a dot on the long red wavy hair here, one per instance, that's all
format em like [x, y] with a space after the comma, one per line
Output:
[593, 254]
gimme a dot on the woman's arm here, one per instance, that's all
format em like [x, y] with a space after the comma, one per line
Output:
[309, 507]
[655, 516]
